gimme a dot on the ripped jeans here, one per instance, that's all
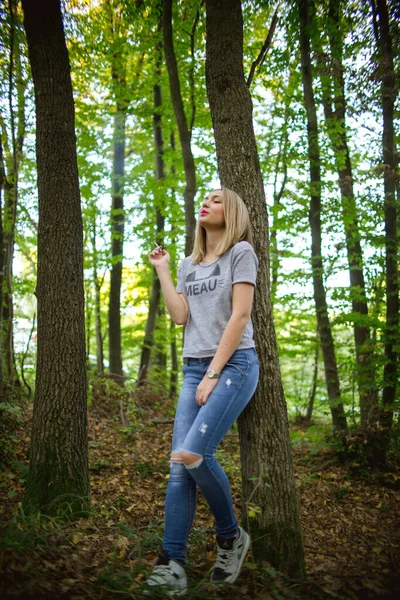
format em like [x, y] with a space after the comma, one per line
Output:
[199, 430]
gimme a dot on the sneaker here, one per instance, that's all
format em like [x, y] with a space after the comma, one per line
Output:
[167, 576]
[230, 557]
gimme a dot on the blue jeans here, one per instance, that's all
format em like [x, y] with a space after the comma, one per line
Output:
[199, 430]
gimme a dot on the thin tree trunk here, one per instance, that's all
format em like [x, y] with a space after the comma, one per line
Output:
[58, 475]
[266, 454]
[313, 390]
[2, 350]
[184, 132]
[97, 308]
[117, 236]
[324, 326]
[336, 127]
[282, 159]
[173, 383]
[390, 175]
[160, 221]
[88, 316]
[173, 335]
[149, 329]
[17, 127]
[160, 358]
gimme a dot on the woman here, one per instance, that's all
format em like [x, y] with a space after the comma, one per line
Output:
[213, 298]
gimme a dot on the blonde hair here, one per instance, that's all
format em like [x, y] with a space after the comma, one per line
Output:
[237, 227]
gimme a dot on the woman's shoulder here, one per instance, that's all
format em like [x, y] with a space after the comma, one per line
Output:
[242, 247]
[186, 260]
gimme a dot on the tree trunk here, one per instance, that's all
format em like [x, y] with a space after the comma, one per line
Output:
[184, 132]
[97, 307]
[160, 221]
[278, 194]
[149, 329]
[336, 127]
[58, 475]
[161, 356]
[173, 382]
[266, 455]
[117, 243]
[390, 175]
[324, 326]
[174, 352]
[11, 175]
[313, 391]
[3, 389]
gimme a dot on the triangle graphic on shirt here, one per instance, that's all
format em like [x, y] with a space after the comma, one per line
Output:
[192, 276]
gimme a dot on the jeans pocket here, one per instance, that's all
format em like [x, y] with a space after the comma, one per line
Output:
[239, 361]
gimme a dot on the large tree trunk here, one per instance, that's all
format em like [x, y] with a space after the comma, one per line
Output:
[324, 326]
[337, 131]
[390, 176]
[184, 132]
[58, 475]
[267, 465]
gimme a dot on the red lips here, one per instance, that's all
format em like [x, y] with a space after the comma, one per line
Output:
[204, 212]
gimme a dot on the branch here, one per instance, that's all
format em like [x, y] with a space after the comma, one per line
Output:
[29, 218]
[263, 52]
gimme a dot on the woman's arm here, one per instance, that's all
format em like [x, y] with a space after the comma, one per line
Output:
[175, 303]
[242, 302]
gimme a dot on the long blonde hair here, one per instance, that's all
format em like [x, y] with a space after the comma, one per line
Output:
[237, 227]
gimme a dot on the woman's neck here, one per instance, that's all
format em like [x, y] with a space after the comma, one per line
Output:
[213, 238]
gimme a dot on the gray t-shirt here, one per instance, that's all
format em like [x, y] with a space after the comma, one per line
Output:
[208, 292]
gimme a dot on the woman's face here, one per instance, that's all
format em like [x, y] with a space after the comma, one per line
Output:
[212, 210]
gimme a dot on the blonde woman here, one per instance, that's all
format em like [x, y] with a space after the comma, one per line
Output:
[214, 299]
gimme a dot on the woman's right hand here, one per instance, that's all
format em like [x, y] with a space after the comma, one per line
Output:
[159, 257]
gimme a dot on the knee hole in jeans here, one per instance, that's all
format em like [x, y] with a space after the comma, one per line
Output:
[190, 460]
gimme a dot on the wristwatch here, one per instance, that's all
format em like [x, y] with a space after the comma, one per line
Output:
[212, 374]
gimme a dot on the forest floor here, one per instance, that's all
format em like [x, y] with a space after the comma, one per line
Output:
[350, 519]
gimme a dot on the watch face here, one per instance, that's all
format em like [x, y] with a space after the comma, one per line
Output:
[210, 373]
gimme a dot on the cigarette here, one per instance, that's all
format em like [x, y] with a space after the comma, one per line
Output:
[159, 245]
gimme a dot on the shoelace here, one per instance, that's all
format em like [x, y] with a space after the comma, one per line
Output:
[224, 558]
[163, 570]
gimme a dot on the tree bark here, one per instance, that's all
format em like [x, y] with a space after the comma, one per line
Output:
[58, 475]
[336, 128]
[184, 132]
[266, 455]
[324, 326]
[389, 90]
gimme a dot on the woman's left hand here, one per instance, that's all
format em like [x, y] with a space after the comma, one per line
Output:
[204, 389]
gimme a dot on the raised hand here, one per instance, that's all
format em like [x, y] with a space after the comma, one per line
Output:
[159, 257]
